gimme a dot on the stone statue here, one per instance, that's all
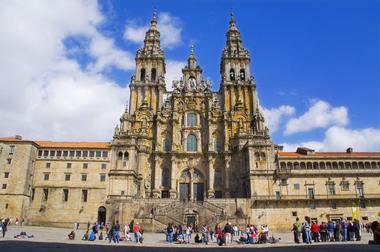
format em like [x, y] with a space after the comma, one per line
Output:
[208, 84]
[175, 84]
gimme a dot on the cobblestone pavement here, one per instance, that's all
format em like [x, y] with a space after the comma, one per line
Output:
[50, 238]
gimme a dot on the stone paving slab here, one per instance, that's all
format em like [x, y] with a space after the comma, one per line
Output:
[59, 235]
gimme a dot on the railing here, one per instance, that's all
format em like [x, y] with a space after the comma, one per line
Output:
[317, 197]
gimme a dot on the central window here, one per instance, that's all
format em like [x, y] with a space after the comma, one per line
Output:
[191, 143]
[191, 119]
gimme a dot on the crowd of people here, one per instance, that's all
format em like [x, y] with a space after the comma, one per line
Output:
[110, 232]
[310, 231]
[181, 234]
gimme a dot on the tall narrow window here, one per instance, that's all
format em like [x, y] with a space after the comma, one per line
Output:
[153, 75]
[232, 74]
[165, 177]
[84, 195]
[166, 145]
[11, 150]
[142, 74]
[218, 145]
[359, 189]
[45, 194]
[33, 193]
[65, 194]
[191, 143]
[331, 188]
[242, 74]
[191, 119]
[218, 178]
[310, 193]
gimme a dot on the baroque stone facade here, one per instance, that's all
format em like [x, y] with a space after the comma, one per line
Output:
[188, 155]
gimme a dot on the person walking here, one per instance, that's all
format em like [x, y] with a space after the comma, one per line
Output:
[4, 225]
[297, 229]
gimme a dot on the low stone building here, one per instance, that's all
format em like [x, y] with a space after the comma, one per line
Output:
[190, 155]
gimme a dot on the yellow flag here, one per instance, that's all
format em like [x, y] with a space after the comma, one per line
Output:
[355, 213]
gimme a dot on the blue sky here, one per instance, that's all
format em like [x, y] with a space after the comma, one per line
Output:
[316, 64]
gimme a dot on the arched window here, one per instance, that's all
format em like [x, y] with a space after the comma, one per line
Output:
[191, 143]
[120, 156]
[191, 120]
[142, 74]
[242, 74]
[126, 155]
[166, 145]
[232, 74]
[154, 74]
[165, 177]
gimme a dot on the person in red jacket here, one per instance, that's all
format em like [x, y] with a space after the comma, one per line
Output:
[315, 231]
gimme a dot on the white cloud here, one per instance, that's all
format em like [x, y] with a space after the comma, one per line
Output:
[173, 72]
[340, 138]
[274, 116]
[44, 94]
[169, 27]
[319, 115]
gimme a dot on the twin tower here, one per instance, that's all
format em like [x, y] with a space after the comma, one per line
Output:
[190, 143]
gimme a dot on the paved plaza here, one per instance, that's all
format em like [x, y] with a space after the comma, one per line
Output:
[55, 239]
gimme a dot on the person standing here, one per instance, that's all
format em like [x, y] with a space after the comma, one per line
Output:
[4, 224]
[297, 229]
[306, 227]
[315, 231]
[357, 229]
[323, 231]
[205, 234]
[137, 232]
[228, 232]
[344, 230]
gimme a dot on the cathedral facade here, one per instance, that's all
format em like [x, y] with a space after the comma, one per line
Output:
[191, 155]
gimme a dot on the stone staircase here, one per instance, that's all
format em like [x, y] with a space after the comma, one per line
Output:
[176, 212]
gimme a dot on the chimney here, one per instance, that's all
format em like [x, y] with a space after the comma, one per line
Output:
[18, 137]
[349, 150]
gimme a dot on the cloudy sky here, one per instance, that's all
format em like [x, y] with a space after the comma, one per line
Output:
[65, 65]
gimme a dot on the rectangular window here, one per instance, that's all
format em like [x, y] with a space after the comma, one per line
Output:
[67, 177]
[46, 153]
[68, 165]
[85, 153]
[84, 195]
[59, 153]
[345, 186]
[98, 154]
[33, 192]
[65, 194]
[6, 174]
[46, 176]
[52, 153]
[92, 153]
[278, 195]
[105, 154]
[9, 161]
[104, 166]
[4, 186]
[312, 206]
[359, 189]
[65, 153]
[40, 153]
[11, 150]
[310, 193]
[47, 165]
[78, 153]
[45, 194]
[331, 188]
[84, 177]
[85, 165]
[362, 204]
[333, 205]
[296, 186]
[165, 195]
[294, 213]
[72, 153]
[102, 177]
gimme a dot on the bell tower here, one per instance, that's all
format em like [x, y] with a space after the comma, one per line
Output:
[148, 83]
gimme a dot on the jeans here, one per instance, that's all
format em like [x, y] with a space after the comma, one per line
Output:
[308, 236]
[228, 237]
[344, 234]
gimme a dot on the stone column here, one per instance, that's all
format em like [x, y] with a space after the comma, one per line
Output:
[173, 190]
[157, 177]
[227, 177]
[211, 176]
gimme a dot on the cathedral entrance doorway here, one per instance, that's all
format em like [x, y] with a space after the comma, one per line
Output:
[102, 215]
[198, 191]
[191, 185]
[184, 191]
[191, 220]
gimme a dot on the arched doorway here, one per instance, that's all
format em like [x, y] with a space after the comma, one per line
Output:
[102, 215]
[191, 185]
